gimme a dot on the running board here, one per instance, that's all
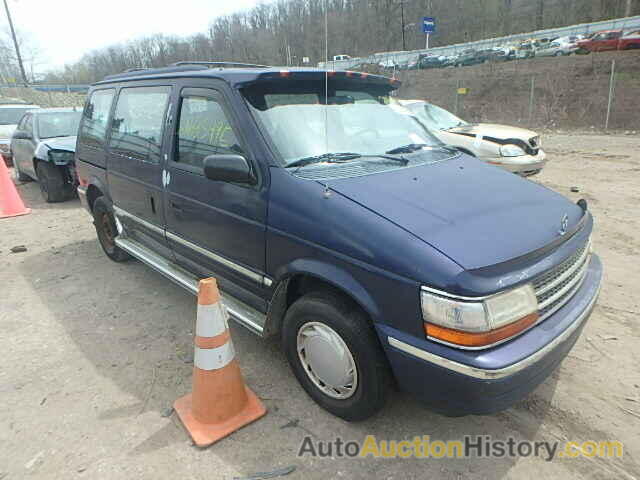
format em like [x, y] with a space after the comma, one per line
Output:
[242, 313]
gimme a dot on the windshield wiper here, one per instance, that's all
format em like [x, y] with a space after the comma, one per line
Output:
[341, 157]
[412, 147]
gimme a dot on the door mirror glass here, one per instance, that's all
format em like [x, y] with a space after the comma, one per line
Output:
[228, 168]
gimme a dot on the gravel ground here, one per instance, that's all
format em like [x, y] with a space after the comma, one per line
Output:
[94, 353]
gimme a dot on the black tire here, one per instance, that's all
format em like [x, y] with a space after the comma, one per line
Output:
[51, 181]
[351, 324]
[21, 177]
[107, 231]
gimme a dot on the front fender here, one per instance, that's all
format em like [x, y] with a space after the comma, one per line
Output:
[327, 273]
[334, 276]
[42, 152]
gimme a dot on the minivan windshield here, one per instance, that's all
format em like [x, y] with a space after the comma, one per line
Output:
[358, 119]
[436, 118]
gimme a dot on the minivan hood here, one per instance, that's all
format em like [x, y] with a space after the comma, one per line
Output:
[501, 132]
[476, 214]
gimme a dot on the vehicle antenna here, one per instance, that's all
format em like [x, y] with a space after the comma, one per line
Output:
[326, 75]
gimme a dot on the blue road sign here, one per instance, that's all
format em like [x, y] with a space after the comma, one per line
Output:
[428, 25]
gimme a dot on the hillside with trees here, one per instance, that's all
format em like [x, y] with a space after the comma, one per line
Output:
[284, 31]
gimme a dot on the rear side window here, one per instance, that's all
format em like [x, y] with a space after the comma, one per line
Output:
[93, 127]
[137, 125]
[204, 130]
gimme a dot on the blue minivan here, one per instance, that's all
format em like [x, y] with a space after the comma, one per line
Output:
[334, 220]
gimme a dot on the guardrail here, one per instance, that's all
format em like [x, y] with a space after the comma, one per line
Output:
[65, 88]
[403, 57]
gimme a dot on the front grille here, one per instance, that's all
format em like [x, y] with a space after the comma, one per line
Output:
[555, 287]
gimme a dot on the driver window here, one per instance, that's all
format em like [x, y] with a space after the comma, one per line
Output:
[204, 130]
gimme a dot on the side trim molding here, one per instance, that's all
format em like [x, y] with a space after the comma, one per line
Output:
[256, 277]
[123, 213]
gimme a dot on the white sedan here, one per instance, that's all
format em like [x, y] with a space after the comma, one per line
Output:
[515, 149]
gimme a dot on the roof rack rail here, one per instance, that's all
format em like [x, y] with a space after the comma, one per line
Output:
[220, 64]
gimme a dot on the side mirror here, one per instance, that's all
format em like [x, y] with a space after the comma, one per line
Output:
[228, 168]
[18, 135]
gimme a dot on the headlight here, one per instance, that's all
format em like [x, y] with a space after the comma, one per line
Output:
[482, 323]
[511, 151]
[60, 157]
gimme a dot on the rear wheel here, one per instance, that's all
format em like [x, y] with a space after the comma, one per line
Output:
[107, 231]
[335, 355]
[51, 181]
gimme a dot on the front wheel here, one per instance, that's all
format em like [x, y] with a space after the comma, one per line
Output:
[107, 231]
[51, 181]
[335, 355]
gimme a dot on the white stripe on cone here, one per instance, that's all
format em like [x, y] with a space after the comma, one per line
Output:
[211, 320]
[214, 358]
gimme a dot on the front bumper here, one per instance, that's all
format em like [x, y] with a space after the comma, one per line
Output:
[458, 382]
[524, 165]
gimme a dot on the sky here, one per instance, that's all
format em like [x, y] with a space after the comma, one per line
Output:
[63, 30]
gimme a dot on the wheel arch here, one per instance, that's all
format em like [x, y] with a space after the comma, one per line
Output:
[95, 189]
[309, 275]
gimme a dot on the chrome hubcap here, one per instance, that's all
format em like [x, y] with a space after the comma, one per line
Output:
[327, 361]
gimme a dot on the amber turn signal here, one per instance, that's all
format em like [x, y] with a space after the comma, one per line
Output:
[479, 339]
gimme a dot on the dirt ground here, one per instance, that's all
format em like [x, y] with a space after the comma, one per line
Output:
[94, 353]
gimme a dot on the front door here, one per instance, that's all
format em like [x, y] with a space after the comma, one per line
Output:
[23, 148]
[214, 227]
[135, 166]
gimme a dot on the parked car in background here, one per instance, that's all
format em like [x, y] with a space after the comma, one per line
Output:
[502, 54]
[512, 148]
[629, 40]
[569, 39]
[432, 61]
[602, 41]
[341, 57]
[557, 48]
[10, 115]
[469, 57]
[43, 147]
[525, 50]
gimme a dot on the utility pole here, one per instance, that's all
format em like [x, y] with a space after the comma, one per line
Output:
[15, 43]
[404, 45]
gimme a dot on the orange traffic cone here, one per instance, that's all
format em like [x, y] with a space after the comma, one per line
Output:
[220, 402]
[11, 204]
